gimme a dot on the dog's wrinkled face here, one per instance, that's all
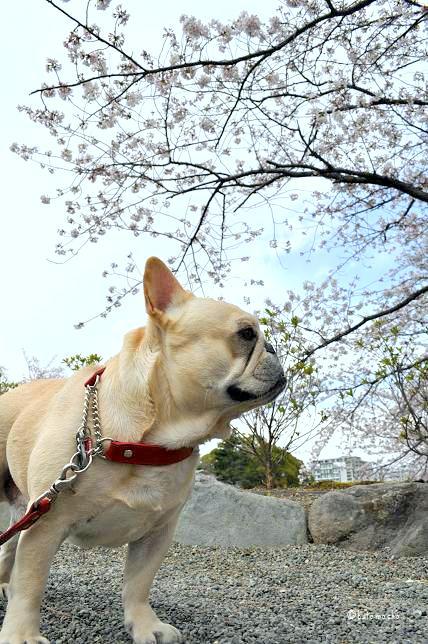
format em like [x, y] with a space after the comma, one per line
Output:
[214, 354]
[219, 351]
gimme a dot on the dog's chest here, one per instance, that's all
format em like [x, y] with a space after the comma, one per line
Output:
[133, 508]
[114, 526]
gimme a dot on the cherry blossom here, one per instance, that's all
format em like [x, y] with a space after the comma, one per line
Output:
[307, 133]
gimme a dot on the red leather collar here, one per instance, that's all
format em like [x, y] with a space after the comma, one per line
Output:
[93, 379]
[140, 453]
[145, 453]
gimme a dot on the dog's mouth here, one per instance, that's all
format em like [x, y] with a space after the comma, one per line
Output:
[240, 395]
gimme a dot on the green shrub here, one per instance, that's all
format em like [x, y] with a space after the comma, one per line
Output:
[78, 361]
[230, 462]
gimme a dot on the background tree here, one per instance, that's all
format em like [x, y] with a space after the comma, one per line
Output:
[359, 371]
[231, 115]
[307, 133]
[78, 361]
[231, 463]
[268, 433]
[388, 412]
[37, 371]
[5, 384]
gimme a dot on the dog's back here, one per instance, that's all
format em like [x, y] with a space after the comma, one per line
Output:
[12, 403]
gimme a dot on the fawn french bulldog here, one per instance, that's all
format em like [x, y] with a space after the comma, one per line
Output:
[176, 383]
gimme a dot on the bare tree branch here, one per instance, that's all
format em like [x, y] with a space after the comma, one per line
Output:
[369, 318]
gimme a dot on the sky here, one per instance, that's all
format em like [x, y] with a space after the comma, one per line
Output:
[41, 299]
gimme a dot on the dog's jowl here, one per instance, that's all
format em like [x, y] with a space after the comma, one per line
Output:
[177, 382]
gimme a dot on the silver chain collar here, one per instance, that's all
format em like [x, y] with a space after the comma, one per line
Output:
[86, 450]
[83, 434]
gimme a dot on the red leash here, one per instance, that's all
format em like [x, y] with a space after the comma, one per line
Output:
[30, 517]
[117, 452]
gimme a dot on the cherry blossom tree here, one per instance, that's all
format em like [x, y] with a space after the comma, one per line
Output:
[307, 133]
[291, 420]
[387, 411]
[231, 115]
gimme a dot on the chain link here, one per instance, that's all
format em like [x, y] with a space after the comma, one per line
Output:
[83, 457]
[65, 480]
[84, 424]
[96, 417]
[83, 435]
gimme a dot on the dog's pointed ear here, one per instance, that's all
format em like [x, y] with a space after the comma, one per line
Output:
[161, 289]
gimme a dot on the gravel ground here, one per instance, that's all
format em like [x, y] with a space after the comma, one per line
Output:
[294, 594]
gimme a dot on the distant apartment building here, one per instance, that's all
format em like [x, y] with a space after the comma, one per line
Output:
[342, 469]
[352, 468]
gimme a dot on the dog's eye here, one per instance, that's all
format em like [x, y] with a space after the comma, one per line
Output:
[248, 333]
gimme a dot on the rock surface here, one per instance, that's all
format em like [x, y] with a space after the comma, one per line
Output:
[364, 517]
[371, 517]
[222, 515]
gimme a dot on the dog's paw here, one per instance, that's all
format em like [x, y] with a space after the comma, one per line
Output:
[155, 633]
[4, 592]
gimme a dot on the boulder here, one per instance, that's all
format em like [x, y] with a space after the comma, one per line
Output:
[371, 517]
[222, 515]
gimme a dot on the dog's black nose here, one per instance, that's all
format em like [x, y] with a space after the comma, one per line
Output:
[269, 348]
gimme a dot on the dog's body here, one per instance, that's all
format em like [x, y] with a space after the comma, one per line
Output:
[178, 383]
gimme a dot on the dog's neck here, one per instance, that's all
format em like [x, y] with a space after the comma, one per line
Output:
[129, 411]
[188, 432]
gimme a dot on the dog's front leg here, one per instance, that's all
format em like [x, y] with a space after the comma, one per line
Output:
[36, 549]
[8, 551]
[143, 561]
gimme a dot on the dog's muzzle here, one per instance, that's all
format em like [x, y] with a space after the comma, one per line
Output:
[266, 382]
[240, 395]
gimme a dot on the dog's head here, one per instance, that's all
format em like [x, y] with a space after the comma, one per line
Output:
[211, 357]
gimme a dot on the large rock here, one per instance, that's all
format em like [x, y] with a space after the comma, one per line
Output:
[370, 517]
[219, 514]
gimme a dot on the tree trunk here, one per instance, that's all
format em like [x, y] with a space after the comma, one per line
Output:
[268, 477]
